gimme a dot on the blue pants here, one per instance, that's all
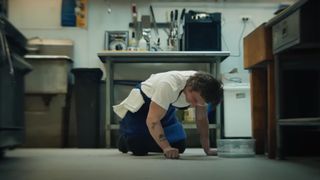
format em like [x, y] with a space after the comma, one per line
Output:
[135, 133]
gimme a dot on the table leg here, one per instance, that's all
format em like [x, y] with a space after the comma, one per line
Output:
[271, 112]
[258, 88]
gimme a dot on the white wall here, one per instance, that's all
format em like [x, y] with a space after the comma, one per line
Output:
[42, 18]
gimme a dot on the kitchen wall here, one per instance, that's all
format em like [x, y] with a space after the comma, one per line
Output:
[41, 18]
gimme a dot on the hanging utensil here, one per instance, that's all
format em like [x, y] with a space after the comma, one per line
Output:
[154, 21]
[180, 27]
[155, 26]
[176, 14]
[182, 16]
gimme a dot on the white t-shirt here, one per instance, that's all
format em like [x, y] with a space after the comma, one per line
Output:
[165, 88]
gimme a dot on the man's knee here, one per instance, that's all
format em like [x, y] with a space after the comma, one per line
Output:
[137, 146]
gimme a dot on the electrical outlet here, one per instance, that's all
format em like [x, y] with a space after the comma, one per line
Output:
[245, 18]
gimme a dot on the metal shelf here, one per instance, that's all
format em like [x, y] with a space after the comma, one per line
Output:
[185, 126]
[300, 121]
[194, 126]
[110, 58]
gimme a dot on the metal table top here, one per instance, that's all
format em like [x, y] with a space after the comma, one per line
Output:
[163, 56]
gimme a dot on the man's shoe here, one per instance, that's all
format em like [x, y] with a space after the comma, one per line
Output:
[122, 144]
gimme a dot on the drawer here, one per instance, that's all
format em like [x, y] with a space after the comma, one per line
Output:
[257, 47]
[286, 33]
[297, 28]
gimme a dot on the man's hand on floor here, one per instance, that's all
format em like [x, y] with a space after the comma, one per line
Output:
[171, 153]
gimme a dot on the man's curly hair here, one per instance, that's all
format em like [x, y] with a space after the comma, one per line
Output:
[210, 89]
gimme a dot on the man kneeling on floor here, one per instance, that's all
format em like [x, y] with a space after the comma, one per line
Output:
[149, 123]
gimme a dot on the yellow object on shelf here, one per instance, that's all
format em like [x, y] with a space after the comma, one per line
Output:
[189, 115]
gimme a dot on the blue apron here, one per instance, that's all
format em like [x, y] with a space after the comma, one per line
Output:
[134, 124]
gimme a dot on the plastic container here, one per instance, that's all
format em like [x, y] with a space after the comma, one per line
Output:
[87, 99]
[237, 114]
[143, 45]
[236, 147]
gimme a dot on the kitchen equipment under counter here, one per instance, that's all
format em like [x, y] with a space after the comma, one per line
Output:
[137, 66]
[49, 75]
[57, 47]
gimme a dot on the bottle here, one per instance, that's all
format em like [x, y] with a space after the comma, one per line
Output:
[143, 45]
[189, 115]
[132, 45]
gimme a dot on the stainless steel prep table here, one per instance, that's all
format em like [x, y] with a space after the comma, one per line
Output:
[212, 58]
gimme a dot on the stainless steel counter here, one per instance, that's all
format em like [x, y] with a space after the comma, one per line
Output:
[163, 56]
[48, 57]
[110, 58]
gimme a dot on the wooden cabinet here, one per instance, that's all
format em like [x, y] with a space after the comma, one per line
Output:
[258, 59]
[296, 45]
[284, 66]
[258, 47]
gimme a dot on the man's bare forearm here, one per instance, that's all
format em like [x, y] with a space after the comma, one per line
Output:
[156, 131]
[203, 128]
[155, 114]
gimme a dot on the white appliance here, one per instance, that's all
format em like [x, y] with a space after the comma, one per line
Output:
[237, 115]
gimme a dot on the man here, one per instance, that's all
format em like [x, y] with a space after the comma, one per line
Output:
[149, 123]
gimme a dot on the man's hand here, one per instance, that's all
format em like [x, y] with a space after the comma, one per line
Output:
[211, 152]
[171, 153]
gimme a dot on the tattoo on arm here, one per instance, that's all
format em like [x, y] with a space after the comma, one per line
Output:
[162, 137]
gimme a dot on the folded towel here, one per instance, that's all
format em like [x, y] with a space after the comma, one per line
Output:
[132, 103]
